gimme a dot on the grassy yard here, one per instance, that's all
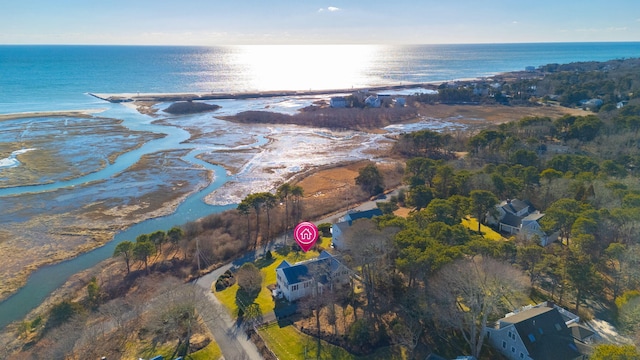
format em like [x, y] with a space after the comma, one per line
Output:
[209, 352]
[268, 269]
[472, 224]
[289, 343]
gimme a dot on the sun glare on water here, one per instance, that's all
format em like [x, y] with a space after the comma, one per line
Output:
[306, 67]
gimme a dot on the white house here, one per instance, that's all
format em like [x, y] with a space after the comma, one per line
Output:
[539, 332]
[303, 278]
[518, 217]
[338, 229]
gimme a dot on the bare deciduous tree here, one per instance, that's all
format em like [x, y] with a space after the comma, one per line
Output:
[468, 291]
[177, 311]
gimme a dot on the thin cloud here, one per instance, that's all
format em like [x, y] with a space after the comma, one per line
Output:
[329, 9]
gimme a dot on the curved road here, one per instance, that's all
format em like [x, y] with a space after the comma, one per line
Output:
[232, 338]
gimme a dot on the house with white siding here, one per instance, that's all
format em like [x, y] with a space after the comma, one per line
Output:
[338, 229]
[519, 217]
[295, 281]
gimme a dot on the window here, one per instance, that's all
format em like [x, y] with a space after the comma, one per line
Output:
[504, 344]
[532, 338]
[558, 327]
[294, 287]
[306, 285]
[521, 356]
[540, 331]
[509, 335]
[513, 349]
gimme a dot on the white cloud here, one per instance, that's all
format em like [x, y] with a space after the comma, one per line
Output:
[329, 9]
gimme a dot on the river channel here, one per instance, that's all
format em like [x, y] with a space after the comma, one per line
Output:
[45, 280]
[260, 156]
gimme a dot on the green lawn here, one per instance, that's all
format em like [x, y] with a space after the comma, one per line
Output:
[472, 224]
[209, 352]
[268, 269]
[289, 343]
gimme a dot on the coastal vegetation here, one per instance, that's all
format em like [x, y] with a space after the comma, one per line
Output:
[354, 119]
[189, 107]
[416, 266]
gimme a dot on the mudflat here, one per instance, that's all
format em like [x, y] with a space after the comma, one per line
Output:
[48, 227]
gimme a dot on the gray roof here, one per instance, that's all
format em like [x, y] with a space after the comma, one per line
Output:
[580, 332]
[544, 334]
[304, 271]
[511, 220]
[513, 206]
[533, 216]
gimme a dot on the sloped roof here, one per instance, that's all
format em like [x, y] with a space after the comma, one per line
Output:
[366, 214]
[535, 216]
[283, 264]
[544, 334]
[511, 220]
[305, 270]
[580, 332]
[513, 206]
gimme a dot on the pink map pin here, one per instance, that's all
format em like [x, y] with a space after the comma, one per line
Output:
[306, 234]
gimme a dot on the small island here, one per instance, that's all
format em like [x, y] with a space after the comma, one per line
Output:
[190, 107]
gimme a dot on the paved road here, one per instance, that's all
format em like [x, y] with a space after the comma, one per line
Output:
[231, 338]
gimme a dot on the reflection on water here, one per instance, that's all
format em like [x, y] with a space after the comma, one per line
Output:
[302, 67]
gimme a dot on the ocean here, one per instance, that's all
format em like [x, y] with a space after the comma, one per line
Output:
[49, 77]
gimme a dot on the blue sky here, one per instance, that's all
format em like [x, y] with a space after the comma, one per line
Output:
[215, 22]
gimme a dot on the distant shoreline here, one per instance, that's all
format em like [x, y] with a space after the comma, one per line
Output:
[167, 97]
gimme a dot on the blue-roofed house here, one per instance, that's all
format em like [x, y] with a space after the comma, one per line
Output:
[300, 279]
[338, 229]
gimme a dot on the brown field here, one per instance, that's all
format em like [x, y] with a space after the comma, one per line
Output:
[494, 114]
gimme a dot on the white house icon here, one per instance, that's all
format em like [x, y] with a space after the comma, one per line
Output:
[306, 235]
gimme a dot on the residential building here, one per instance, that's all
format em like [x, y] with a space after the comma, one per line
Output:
[302, 279]
[338, 229]
[539, 332]
[519, 217]
[338, 102]
[373, 101]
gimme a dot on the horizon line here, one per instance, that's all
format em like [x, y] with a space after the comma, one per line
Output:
[323, 44]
